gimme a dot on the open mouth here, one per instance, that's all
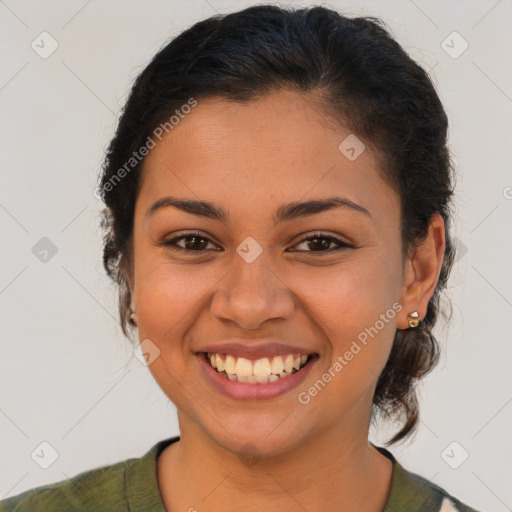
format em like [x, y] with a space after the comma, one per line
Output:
[259, 371]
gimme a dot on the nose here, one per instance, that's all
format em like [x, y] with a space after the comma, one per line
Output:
[251, 294]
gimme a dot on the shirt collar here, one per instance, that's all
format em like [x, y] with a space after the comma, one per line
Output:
[408, 491]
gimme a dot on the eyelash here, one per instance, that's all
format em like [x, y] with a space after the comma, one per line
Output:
[171, 243]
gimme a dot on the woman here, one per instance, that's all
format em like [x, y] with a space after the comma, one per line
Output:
[278, 222]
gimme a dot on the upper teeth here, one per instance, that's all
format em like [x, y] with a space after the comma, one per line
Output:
[242, 367]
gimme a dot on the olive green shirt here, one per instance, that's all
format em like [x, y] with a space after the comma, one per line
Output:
[132, 485]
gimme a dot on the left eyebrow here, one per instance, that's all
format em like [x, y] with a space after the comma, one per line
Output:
[284, 213]
[297, 209]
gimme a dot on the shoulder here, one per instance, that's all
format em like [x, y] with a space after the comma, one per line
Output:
[438, 497]
[413, 493]
[129, 485]
[85, 491]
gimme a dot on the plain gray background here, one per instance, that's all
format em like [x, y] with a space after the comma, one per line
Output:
[67, 375]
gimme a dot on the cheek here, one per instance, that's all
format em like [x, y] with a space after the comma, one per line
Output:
[356, 307]
[165, 296]
[351, 296]
[168, 302]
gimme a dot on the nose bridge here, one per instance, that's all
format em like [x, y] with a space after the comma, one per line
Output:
[252, 292]
[252, 273]
[254, 266]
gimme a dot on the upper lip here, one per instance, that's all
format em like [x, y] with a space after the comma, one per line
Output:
[255, 351]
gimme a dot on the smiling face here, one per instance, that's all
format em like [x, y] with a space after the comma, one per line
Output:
[247, 280]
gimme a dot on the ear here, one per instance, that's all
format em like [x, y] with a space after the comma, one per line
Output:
[130, 278]
[421, 273]
[133, 309]
[133, 306]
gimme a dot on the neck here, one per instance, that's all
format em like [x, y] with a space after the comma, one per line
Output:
[332, 470]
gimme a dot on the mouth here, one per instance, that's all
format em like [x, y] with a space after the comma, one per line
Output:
[257, 371]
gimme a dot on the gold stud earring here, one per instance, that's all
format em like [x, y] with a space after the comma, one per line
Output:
[414, 322]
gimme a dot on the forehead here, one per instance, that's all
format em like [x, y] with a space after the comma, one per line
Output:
[279, 148]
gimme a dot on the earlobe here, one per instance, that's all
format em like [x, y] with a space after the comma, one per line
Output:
[133, 314]
[422, 273]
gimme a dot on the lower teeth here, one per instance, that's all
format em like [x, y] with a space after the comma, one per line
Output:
[257, 380]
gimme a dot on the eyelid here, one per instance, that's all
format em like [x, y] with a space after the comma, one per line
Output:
[339, 244]
[305, 237]
[170, 243]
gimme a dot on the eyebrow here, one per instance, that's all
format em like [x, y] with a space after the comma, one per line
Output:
[284, 213]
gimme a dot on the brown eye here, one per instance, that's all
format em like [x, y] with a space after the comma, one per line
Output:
[193, 242]
[196, 242]
[320, 243]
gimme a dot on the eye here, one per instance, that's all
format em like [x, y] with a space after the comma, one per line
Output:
[320, 241]
[198, 242]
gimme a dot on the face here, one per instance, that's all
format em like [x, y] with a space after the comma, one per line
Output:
[318, 280]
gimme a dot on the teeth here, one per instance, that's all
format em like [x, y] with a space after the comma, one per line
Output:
[261, 371]
[262, 367]
[219, 363]
[277, 365]
[229, 365]
[243, 367]
[288, 363]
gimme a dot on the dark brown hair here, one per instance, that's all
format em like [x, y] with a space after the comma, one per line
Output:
[364, 80]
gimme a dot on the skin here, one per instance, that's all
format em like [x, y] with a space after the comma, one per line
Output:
[251, 159]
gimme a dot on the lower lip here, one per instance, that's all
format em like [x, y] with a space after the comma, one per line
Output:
[253, 391]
